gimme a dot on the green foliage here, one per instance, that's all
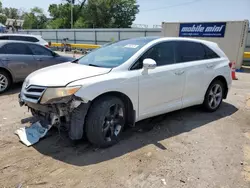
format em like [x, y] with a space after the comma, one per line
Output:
[11, 13]
[94, 13]
[124, 13]
[61, 15]
[86, 14]
[111, 13]
[80, 23]
[1, 6]
[3, 19]
[35, 19]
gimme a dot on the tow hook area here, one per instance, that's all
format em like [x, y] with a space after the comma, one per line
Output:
[70, 115]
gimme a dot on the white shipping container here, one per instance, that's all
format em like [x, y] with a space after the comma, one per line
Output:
[231, 36]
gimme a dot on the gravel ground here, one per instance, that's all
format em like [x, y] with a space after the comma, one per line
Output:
[187, 148]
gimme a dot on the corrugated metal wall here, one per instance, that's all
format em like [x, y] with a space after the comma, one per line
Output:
[98, 36]
[92, 36]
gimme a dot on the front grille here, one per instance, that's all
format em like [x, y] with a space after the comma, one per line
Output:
[33, 93]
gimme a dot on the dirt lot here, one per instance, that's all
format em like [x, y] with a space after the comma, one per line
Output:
[187, 148]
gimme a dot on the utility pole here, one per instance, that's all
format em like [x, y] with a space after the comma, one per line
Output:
[72, 6]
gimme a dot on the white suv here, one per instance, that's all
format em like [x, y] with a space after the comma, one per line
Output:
[117, 85]
[25, 37]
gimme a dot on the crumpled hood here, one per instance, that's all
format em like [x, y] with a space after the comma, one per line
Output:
[62, 74]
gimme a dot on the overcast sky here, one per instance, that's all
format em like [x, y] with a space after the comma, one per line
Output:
[153, 12]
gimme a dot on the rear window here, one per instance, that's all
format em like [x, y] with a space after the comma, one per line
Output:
[189, 51]
[210, 54]
[32, 39]
[23, 38]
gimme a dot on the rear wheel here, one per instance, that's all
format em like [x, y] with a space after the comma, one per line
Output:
[105, 121]
[214, 96]
[5, 81]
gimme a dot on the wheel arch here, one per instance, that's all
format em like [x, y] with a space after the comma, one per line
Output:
[8, 72]
[130, 111]
[224, 81]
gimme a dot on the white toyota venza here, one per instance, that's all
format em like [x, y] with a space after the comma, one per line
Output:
[124, 82]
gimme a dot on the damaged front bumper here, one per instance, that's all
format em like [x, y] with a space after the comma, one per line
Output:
[70, 112]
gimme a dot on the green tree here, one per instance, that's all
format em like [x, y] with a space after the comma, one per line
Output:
[94, 13]
[111, 13]
[80, 23]
[35, 19]
[1, 7]
[12, 13]
[123, 13]
[61, 14]
[3, 18]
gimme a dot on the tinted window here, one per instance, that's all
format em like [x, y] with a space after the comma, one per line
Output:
[189, 51]
[162, 53]
[210, 54]
[31, 39]
[39, 50]
[21, 38]
[15, 48]
[4, 38]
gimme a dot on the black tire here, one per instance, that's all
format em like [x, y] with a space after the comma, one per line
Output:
[6, 75]
[96, 121]
[206, 104]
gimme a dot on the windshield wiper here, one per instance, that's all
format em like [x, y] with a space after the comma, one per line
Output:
[93, 65]
[75, 61]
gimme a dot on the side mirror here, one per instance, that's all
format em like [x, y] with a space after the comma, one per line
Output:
[149, 63]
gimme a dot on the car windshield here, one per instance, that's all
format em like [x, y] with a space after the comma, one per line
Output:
[114, 54]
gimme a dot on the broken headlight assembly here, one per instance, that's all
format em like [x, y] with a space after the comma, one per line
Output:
[58, 95]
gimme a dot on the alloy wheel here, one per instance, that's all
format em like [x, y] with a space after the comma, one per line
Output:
[113, 122]
[215, 96]
[3, 82]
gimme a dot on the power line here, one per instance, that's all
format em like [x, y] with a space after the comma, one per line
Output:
[170, 6]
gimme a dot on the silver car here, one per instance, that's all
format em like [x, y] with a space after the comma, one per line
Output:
[18, 59]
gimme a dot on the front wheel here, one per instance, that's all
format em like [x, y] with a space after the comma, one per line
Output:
[105, 121]
[214, 96]
[5, 81]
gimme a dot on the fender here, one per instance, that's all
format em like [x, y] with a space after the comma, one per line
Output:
[3, 67]
[96, 86]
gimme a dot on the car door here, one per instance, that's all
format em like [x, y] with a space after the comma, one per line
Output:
[43, 56]
[212, 59]
[191, 55]
[160, 89]
[19, 60]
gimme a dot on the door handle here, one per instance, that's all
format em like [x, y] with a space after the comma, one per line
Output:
[38, 59]
[179, 72]
[210, 66]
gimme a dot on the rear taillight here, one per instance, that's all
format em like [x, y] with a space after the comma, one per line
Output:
[47, 46]
[230, 64]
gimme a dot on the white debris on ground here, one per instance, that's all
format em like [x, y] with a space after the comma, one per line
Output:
[31, 135]
[164, 181]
